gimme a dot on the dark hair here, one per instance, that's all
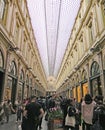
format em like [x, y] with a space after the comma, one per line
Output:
[88, 99]
[99, 97]
[68, 101]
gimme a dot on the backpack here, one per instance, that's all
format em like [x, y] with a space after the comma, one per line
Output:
[71, 111]
[100, 113]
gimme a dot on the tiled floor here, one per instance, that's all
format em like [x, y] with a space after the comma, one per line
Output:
[12, 125]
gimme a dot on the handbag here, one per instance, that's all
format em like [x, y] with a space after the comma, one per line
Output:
[70, 121]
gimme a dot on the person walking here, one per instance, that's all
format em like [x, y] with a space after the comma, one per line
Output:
[7, 109]
[32, 114]
[1, 114]
[19, 113]
[72, 112]
[87, 107]
[99, 114]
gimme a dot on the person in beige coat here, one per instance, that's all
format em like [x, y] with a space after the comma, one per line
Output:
[87, 108]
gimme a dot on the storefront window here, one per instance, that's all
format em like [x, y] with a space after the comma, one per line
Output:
[85, 89]
[79, 93]
[1, 60]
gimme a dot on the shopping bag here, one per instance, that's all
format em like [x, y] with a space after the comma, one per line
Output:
[19, 127]
[70, 121]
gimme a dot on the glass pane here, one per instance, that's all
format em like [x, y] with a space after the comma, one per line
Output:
[95, 69]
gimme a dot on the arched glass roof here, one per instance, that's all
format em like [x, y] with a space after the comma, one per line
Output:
[52, 21]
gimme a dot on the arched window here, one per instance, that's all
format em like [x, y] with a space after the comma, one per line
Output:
[95, 69]
[1, 60]
[2, 8]
[22, 75]
[84, 75]
[12, 68]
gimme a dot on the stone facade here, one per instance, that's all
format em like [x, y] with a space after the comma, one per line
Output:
[21, 70]
[83, 67]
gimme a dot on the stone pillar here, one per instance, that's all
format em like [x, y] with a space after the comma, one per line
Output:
[5, 74]
[17, 84]
[88, 75]
[102, 78]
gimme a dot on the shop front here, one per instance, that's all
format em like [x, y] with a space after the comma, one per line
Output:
[79, 93]
[85, 88]
[84, 83]
[10, 90]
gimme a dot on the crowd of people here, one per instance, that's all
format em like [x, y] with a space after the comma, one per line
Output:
[89, 113]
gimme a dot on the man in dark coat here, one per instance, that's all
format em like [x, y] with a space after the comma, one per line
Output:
[99, 112]
[32, 114]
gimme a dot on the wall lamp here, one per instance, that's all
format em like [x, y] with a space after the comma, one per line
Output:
[35, 76]
[95, 49]
[29, 68]
[76, 68]
[13, 48]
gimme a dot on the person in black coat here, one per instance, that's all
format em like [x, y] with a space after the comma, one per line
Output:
[99, 112]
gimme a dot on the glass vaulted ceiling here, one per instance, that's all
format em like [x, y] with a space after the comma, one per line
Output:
[52, 21]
